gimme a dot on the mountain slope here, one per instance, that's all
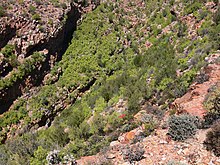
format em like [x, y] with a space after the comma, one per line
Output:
[124, 55]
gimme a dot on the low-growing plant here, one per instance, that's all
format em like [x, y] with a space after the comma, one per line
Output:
[173, 162]
[8, 50]
[212, 142]
[212, 104]
[32, 9]
[2, 11]
[182, 127]
[150, 124]
[36, 17]
[193, 7]
[133, 153]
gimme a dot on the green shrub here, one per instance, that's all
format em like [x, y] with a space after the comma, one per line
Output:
[150, 123]
[133, 153]
[2, 11]
[8, 50]
[192, 7]
[38, 2]
[212, 104]
[63, 5]
[36, 17]
[212, 142]
[39, 156]
[22, 147]
[32, 9]
[182, 127]
[217, 16]
[4, 155]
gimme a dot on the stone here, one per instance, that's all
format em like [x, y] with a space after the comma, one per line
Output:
[110, 156]
[114, 143]
[121, 139]
[179, 152]
[130, 136]
[163, 142]
[186, 151]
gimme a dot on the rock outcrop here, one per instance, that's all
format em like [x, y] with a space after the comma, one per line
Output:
[36, 26]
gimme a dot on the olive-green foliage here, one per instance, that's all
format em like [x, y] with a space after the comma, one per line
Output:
[2, 11]
[212, 104]
[39, 157]
[212, 142]
[32, 9]
[182, 127]
[8, 50]
[193, 7]
[99, 64]
[150, 123]
[53, 137]
[22, 148]
[12, 117]
[4, 155]
[36, 17]
[217, 16]
[133, 153]
[22, 70]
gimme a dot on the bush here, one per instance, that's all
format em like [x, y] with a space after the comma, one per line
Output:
[2, 11]
[192, 7]
[134, 153]
[182, 127]
[150, 123]
[217, 16]
[212, 104]
[8, 50]
[36, 17]
[201, 78]
[4, 155]
[212, 142]
[32, 9]
[39, 156]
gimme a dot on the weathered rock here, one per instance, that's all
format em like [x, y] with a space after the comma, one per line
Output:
[114, 143]
[110, 156]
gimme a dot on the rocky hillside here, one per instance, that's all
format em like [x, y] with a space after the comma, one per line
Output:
[139, 79]
[33, 35]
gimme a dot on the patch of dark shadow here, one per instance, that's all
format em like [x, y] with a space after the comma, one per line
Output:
[5, 68]
[7, 34]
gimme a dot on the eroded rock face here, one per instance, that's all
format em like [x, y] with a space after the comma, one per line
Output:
[36, 26]
[27, 23]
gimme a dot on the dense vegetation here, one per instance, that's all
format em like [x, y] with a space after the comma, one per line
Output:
[108, 60]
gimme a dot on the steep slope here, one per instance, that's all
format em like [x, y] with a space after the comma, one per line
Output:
[28, 27]
[192, 102]
[158, 147]
[124, 57]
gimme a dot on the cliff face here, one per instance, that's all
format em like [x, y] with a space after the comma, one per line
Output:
[35, 27]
